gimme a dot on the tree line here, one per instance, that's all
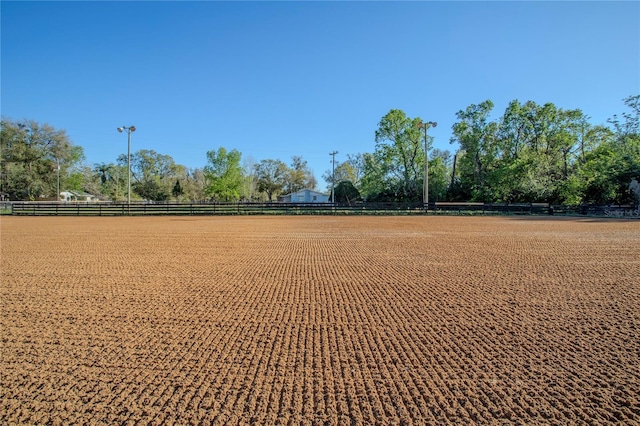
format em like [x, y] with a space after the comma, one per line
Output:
[531, 153]
[37, 160]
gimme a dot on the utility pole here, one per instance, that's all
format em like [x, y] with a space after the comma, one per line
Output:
[58, 187]
[128, 130]
[333, 177]
[425, 196]
[453, 173]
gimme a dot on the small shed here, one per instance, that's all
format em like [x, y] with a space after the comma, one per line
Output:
[305, 196]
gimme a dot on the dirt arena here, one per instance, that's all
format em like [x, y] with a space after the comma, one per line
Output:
[319, 320]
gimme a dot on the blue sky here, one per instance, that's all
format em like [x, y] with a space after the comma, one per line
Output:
[277, 79]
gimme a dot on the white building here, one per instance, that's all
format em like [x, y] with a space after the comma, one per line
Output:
[74, 196]
[305, 196]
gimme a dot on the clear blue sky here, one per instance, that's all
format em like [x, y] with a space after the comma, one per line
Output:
[277, 79]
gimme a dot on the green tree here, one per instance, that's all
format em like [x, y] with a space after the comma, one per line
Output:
[356, 163]
[346, 192]
[151, 189]
[152, 174]
[35, 157]
[628, 128]
[439, 173]
[375, 185]
[476, 136]
[223, 175]
[548, 154]
[90, 181]
[271, 177]
[344, 172]
[249, 185]
[108, 180]
[531, 154]
[193, 184]
[177, 190]
[400, 154]
[299, 176]
[611, 168]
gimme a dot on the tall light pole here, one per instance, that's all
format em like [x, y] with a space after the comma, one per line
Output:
[333, 176]
[128, 130]
[425, 195]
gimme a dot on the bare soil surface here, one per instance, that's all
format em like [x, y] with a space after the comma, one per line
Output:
[319, 320]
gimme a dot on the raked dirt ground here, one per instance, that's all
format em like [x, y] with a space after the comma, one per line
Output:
[319, 320]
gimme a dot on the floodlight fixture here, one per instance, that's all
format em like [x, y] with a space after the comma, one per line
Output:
[427, 124]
